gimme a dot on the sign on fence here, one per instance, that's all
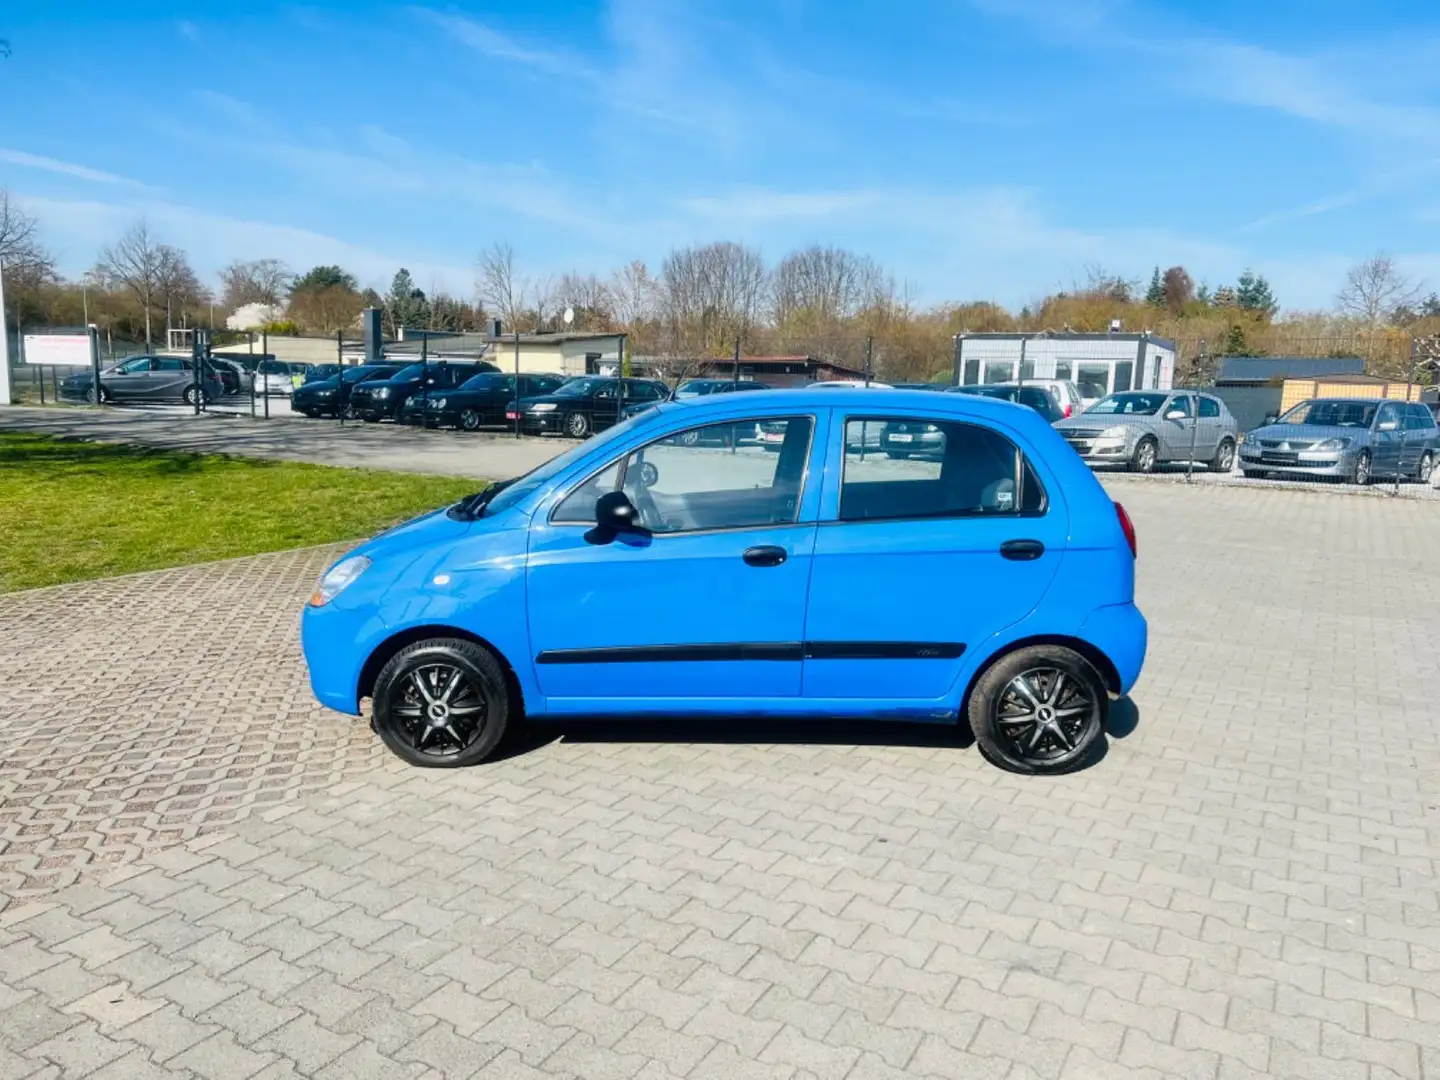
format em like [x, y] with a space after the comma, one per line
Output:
[71, 350]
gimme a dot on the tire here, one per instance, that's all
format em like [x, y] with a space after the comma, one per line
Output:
[1254, 474]
[191, 392]
[1425, 468]
[1057, 679]
[104, 396]
[469, 420]
[349, 413]
[898, 455]
[413, 726]
[1145, 457]
[577, 425]
[1363, 474]
[1224, 459]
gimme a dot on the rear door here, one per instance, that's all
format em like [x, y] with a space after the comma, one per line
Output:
[169, 378]
[1211, 428]
[918, 560]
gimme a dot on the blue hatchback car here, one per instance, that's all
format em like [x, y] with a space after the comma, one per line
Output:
[651, 572]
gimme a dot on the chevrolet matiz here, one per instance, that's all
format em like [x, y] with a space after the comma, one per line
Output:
[670, 568]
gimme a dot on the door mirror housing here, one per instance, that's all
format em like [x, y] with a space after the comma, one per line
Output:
[615, 511]
[1271, 417]
[1175, 414]
[1388, 425]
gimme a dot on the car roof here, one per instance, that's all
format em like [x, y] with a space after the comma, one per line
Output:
[864, 398]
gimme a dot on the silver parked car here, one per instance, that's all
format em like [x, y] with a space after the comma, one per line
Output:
[1143, 428]
[1351, 439]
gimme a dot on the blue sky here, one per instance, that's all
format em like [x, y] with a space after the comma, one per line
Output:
[979, 149]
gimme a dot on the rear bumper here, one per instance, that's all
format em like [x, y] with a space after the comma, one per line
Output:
[1121, 633]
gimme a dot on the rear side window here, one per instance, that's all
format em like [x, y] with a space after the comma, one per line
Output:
[1419, 418]
[1209, 407]
[944, 468]
[1036, 398]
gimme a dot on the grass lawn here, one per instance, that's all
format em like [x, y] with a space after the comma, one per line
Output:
[76, 510]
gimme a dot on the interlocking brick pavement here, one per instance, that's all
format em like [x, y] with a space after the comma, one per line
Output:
[1246, 885]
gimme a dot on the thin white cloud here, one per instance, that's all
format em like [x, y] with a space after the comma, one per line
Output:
[65, 168]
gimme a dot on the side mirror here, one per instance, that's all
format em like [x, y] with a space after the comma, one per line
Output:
[1175, 414]
[1388, 425]
[614, 510]
[1271, 417]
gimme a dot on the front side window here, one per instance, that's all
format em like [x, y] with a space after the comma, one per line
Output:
[169, 363]
[135, 367]
[1389, 414]
[1182, 404]
[705, 478]
[1209, 408]
[949, 469]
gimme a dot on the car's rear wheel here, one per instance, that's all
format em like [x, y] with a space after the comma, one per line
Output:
[469, 420]
[441, 703]
[1146, 454]
[1362, 468]
[1224, 459]
[1426, 468]
[1040, 709]
[577, 425]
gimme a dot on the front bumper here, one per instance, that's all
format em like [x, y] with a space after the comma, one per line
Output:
[542, 423]
[1334, 465]
[1101, 450]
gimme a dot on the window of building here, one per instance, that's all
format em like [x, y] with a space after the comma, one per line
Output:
[947, 469]
[1124, 373]
[999, 370]
[1093, 379]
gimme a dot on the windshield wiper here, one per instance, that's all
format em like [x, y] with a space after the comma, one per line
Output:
[473, 506]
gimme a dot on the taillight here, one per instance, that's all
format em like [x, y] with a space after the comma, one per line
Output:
[1128, 528]
[1069, 410]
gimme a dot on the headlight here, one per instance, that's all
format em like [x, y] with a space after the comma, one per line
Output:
[1116, 432]
[380, 392]
[542, 407]
[337, 579]
[437, 403]
[1329, 446]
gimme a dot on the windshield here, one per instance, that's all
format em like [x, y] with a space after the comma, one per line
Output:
[410, 373]
[579, 387]
[521, 486]
[355, 374]
[1129, 405]
[487, 380]
[989, 391]
[1353, 414]
[697, 387]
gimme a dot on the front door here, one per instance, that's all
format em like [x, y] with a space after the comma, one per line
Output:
[918, 560]
[1176, 435]
[707, 601]
[605, 405]
[128, 382]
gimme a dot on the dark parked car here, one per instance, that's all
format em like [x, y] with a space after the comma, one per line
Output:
[145, 378]
[1037, 397]
[693, 388]
[233, 377]
[326, 397]
[383, 399]
[317, 372]
[480, 401]
[585, 404]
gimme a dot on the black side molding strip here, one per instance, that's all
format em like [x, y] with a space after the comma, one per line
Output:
[792, 651]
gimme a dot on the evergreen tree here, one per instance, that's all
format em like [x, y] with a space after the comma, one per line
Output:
[1203, 294]
[1155, 295]
[1223, 297]
[1253, 293]
[1235, 342]
[405, 305]
[323, 277]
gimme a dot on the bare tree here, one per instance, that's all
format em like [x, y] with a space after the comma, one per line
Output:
[134, 261]
[588, 297]
[177, 285]
[825, 283]
[634, 294]
[713, 294]
[502, 289]
[19, 234]
[1373, 291]
[261, 281]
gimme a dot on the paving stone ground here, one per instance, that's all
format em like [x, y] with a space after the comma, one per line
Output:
[1246, 885]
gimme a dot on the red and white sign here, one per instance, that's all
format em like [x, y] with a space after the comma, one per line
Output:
[68, 350]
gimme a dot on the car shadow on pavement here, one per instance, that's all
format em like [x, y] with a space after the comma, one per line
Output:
[527, 737]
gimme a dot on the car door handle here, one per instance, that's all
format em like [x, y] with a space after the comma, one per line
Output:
[1022, 550]
[765, 555]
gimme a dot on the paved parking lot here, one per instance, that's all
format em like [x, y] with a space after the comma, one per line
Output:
[216, 878]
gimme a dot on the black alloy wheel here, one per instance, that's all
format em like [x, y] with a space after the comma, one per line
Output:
[1040, 709]
[577, 425]
[469, 420]
[441, 703]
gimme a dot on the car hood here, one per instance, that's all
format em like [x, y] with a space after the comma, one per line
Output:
[1092, 420]
[432, 528]
[551, 399]
[1308, 432]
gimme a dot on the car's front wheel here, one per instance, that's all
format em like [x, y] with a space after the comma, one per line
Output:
[104, 396]
[1146, 454]
[194, 393]
[1224, 459]
[1362, 468]
[1040, 709]
[577, 425]
[1426, 468]
[441, 703]
[469, 420]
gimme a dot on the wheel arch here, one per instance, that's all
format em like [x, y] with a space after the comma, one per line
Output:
[1109, 673]
[382, 653]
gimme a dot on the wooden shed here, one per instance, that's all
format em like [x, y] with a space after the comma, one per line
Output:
[1295, 391]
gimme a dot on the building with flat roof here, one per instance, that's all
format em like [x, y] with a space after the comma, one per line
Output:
[1098, 364]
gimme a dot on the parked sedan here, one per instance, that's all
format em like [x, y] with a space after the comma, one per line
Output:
[645, 574]
[378, 400]
[693, 388]
[1034, 395]
[147, 379]
[328, 397]
[480, 401]
[318, 372]
[1356, 440]
[1143, 428]
[586, 404]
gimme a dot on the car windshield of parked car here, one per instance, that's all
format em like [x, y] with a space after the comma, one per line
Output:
[518, 488]
[1130, 404]
[579, 387]
[698, 387]
[487, 380]
[1357, 414]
